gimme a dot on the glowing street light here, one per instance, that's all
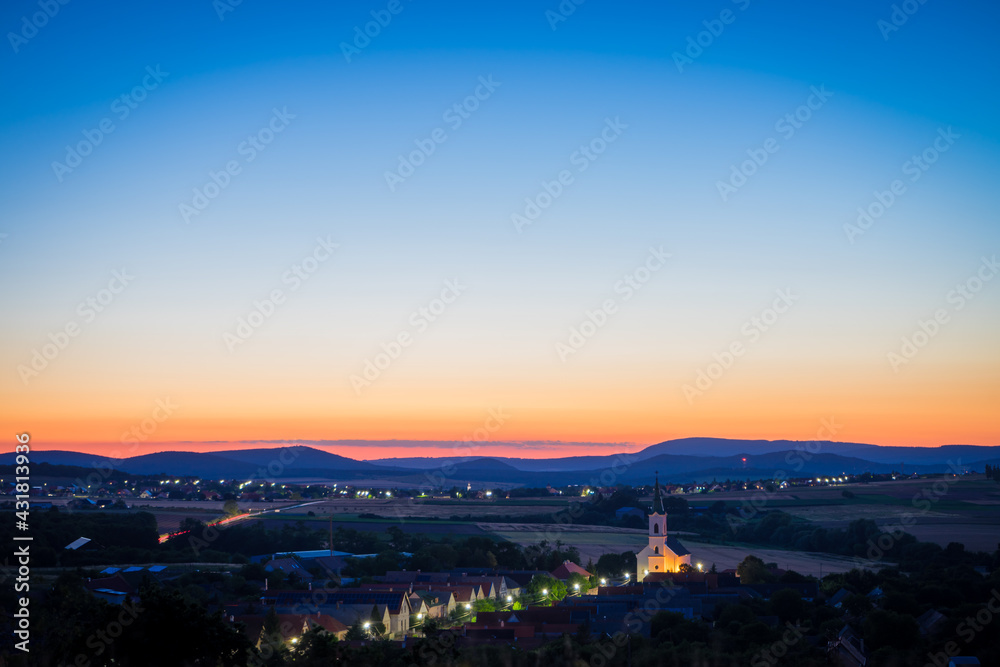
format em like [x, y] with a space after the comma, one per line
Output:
[699, 567]
[545, 591]
[468, 606]
[510, 598]
[604, 582]
[576, 586]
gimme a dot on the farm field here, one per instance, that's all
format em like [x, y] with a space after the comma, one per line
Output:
[949, 509]
[593, 544]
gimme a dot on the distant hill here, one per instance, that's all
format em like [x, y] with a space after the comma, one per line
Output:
[679, 461]
[297, 456]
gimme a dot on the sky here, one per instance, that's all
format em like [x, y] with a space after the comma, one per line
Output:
[547, 228]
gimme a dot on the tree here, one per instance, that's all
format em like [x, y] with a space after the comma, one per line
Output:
[356, 632]
[316, 648]
[787, 605]
[577, 583]
[752, 570]
[230, 507]
[544, 588]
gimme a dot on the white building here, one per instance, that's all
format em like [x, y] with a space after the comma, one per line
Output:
[663, 553]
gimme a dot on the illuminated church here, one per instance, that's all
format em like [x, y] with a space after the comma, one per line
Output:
[663, 553]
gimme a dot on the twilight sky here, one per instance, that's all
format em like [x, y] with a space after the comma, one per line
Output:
[235, 224]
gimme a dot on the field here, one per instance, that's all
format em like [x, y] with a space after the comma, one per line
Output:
[592, 544]
[949, 509]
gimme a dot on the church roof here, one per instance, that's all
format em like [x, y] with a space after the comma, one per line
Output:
[657, 497]
[675, 545]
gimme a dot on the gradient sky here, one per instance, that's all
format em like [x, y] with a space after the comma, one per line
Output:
[497, 345]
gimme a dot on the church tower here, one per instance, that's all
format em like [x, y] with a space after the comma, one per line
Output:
[661, 554]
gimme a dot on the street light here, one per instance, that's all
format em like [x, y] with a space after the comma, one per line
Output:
[604, 582]
[510, 598]
[545, 591]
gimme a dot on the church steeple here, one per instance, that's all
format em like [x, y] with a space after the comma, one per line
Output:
[657, 498]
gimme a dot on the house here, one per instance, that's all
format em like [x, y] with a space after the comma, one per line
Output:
[663, 553]
[290, 626]
[849, 647]
[114, 589]
[438, 604]
[349, 606]
[929, 621]
[838, 598]
[568, 568]
[288, 566]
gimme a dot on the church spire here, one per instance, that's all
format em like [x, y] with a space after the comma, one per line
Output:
[657, 498]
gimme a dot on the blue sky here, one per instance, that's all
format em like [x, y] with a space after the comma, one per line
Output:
[656, 184]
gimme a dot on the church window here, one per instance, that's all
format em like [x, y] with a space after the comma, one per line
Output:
[656, 528]
[656, 550]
